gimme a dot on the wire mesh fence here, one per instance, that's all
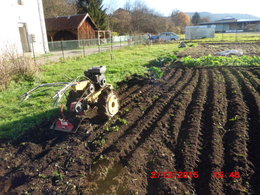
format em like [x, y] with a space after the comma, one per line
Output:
[60, 50]
[231, 37]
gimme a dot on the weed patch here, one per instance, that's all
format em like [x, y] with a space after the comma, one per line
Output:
[16, 68]
[221, 61]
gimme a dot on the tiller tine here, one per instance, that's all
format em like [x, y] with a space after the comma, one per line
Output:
[62, 124]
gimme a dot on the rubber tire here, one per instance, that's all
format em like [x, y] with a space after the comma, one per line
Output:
[103, 104]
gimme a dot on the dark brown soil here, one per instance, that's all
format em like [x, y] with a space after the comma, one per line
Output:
[194, 119]
[252, 49]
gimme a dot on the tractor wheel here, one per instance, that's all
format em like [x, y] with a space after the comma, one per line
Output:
[108, 104]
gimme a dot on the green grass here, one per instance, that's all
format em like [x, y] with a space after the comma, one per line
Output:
[221, 61]
[45, 55]
[229, 37]
[74, 47]
[15, 119]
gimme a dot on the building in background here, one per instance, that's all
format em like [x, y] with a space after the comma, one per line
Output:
[75, 27]
[235, 25]
[23, 27]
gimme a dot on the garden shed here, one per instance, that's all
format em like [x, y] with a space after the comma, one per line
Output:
[74, 27]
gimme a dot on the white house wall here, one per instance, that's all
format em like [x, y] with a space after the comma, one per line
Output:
[13, 15]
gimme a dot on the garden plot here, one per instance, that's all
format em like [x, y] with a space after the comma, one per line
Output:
[202, 120]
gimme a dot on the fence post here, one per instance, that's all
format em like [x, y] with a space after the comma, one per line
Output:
[222, 32]
[61, 45]
[99, 46]
[120, 41]
[33, 54]
[84, 54]
[111, 50]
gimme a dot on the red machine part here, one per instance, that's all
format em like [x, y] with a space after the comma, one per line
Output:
[63, 125]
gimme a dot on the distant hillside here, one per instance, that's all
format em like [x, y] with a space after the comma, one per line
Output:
[214, 17]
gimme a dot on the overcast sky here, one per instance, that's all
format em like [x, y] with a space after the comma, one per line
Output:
[165, 7]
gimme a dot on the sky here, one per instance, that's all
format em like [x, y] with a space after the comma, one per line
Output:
[165, 7]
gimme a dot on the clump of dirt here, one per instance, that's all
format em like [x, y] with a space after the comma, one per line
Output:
[251, 49]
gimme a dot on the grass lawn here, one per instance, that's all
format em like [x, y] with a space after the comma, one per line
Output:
[230, 37]
[15, 119]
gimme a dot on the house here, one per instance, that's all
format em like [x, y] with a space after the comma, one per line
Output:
[73, 27]
[22, 27]
[235, 25]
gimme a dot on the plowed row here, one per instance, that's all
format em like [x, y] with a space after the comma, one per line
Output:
[195, 119]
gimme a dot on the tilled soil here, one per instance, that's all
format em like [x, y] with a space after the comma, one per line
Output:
[252, 49]
[194, 119]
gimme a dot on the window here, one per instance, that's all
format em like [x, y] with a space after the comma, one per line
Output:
[20, 2]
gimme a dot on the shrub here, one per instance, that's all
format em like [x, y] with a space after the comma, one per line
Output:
[156, 72]
[15, 67]
[163, 60]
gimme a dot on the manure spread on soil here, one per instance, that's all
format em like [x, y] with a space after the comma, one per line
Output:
[252, 49]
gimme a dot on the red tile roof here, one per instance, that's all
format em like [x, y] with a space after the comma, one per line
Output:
[67, 22]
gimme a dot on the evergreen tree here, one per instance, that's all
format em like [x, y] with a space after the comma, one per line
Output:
[195, 18]
[95, 9]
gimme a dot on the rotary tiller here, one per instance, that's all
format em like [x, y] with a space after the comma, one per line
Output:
[84, 95]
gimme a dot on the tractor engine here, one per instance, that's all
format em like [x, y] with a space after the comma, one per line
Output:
[97, 76]
[85, 93]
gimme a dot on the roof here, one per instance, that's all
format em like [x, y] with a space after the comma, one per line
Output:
[231, 20]
[68, 22]
[248, 20]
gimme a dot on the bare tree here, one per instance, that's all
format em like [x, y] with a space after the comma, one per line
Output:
[59, 8]
[136, 17]
[121, 21]
[180, 19]
[110, 6]
[204, 19]
[128, 5]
